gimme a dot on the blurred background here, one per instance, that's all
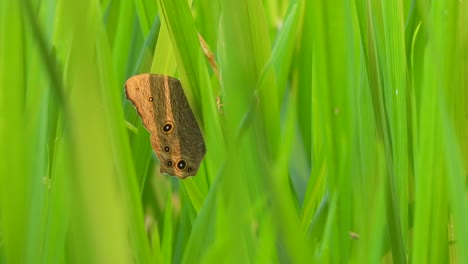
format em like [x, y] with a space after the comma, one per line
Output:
[336, 132]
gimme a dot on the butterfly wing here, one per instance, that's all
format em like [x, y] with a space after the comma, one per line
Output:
[138, 91]
[175, 135]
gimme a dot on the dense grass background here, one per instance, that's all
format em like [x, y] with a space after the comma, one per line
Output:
[342, 136]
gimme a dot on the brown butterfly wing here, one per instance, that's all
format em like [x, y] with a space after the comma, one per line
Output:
[138, 91]
[175, 135]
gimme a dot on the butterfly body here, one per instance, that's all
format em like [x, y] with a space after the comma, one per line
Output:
[165, 112]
